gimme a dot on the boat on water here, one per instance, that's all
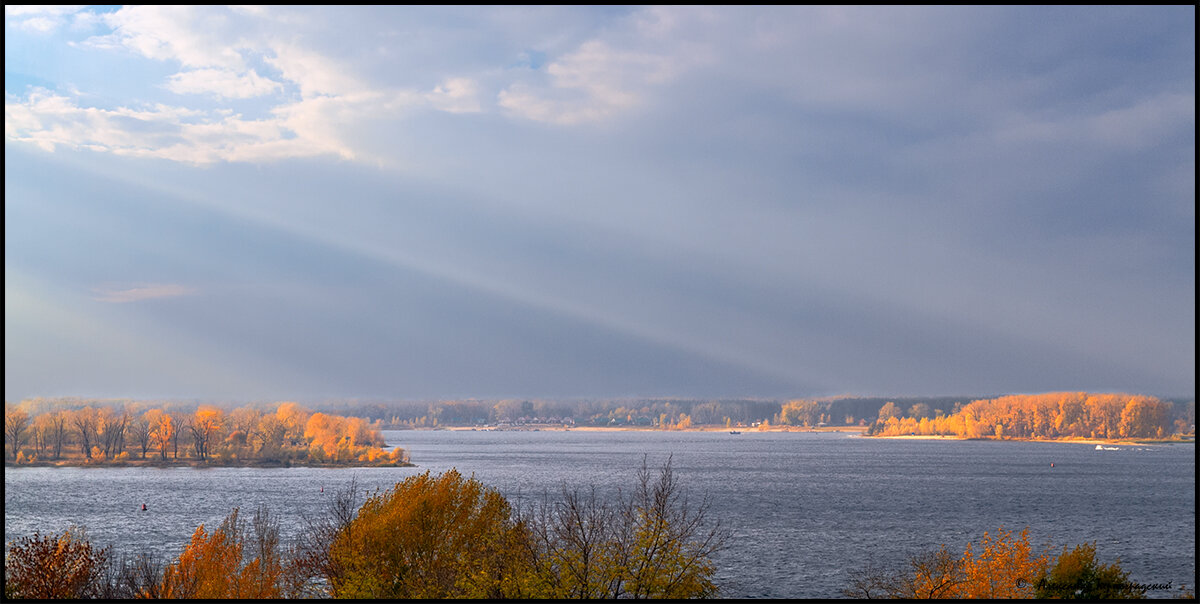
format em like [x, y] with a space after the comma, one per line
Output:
[735, 432]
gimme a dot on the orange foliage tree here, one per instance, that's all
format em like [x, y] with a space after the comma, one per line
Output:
[161, 430]
[204, 426]
[1002, 566]
[214, 566]
[1052, 415]
[285, 433]
[432, 537]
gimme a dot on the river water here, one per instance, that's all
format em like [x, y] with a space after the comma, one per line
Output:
[803, 509]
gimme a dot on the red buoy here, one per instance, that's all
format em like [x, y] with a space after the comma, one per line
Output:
[143, 507]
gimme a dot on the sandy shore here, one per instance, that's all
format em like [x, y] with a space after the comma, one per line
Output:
[1082, 441]
[546, 428]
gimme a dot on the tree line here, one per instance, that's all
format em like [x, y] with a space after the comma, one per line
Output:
[1052, 415]
[123, 432]
[430, 536]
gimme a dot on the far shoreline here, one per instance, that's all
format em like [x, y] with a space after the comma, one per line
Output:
[854, 430]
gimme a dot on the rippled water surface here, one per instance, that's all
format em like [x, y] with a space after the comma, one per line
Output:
[803, 508]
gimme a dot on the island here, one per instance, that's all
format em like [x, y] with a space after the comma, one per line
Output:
[125, 433]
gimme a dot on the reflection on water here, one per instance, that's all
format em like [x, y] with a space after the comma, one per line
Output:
[803, 508]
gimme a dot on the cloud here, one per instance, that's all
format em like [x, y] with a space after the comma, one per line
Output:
[196, 36]
[37, 18]
[592, 83]
[455, 95]
[49, 120]
[1146, 122]
[224, 83]
[217, 48]
[143, 292]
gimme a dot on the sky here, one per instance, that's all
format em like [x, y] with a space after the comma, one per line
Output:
[299, 203]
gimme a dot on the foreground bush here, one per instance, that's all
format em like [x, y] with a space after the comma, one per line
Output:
[432, 537]
[220, 565]
[443, 536]
[54, 567]
[1002, 566]
[1078, 575]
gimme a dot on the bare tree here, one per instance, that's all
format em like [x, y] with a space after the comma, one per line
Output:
[310, 568]
[930, 575]
[140, 429]
[650, 544]
[84, 422]
[111, 427]
[874, 582]
[132, 578]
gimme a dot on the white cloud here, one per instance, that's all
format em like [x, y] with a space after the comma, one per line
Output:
[49, 120]
[196, 36]
[37, 18]
[142, 292]
[313, 72]
[455, 95]
[224, 83]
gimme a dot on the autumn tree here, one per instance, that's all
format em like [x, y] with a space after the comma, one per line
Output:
[54, 567]
[162, 428]
[432, 537]
[269, 435]
[243, 424]
[1144, 416]
[799, 413]
[220, 565]
[322, 431]
[203, 427]
[294, 419]
[15, 423]
[110, 427]
[1001, 566]
[1052, 415]
[920, 410]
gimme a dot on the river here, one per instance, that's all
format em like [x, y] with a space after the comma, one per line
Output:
[803, 509]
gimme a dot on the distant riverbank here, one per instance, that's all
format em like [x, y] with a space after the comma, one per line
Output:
[854, 430]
